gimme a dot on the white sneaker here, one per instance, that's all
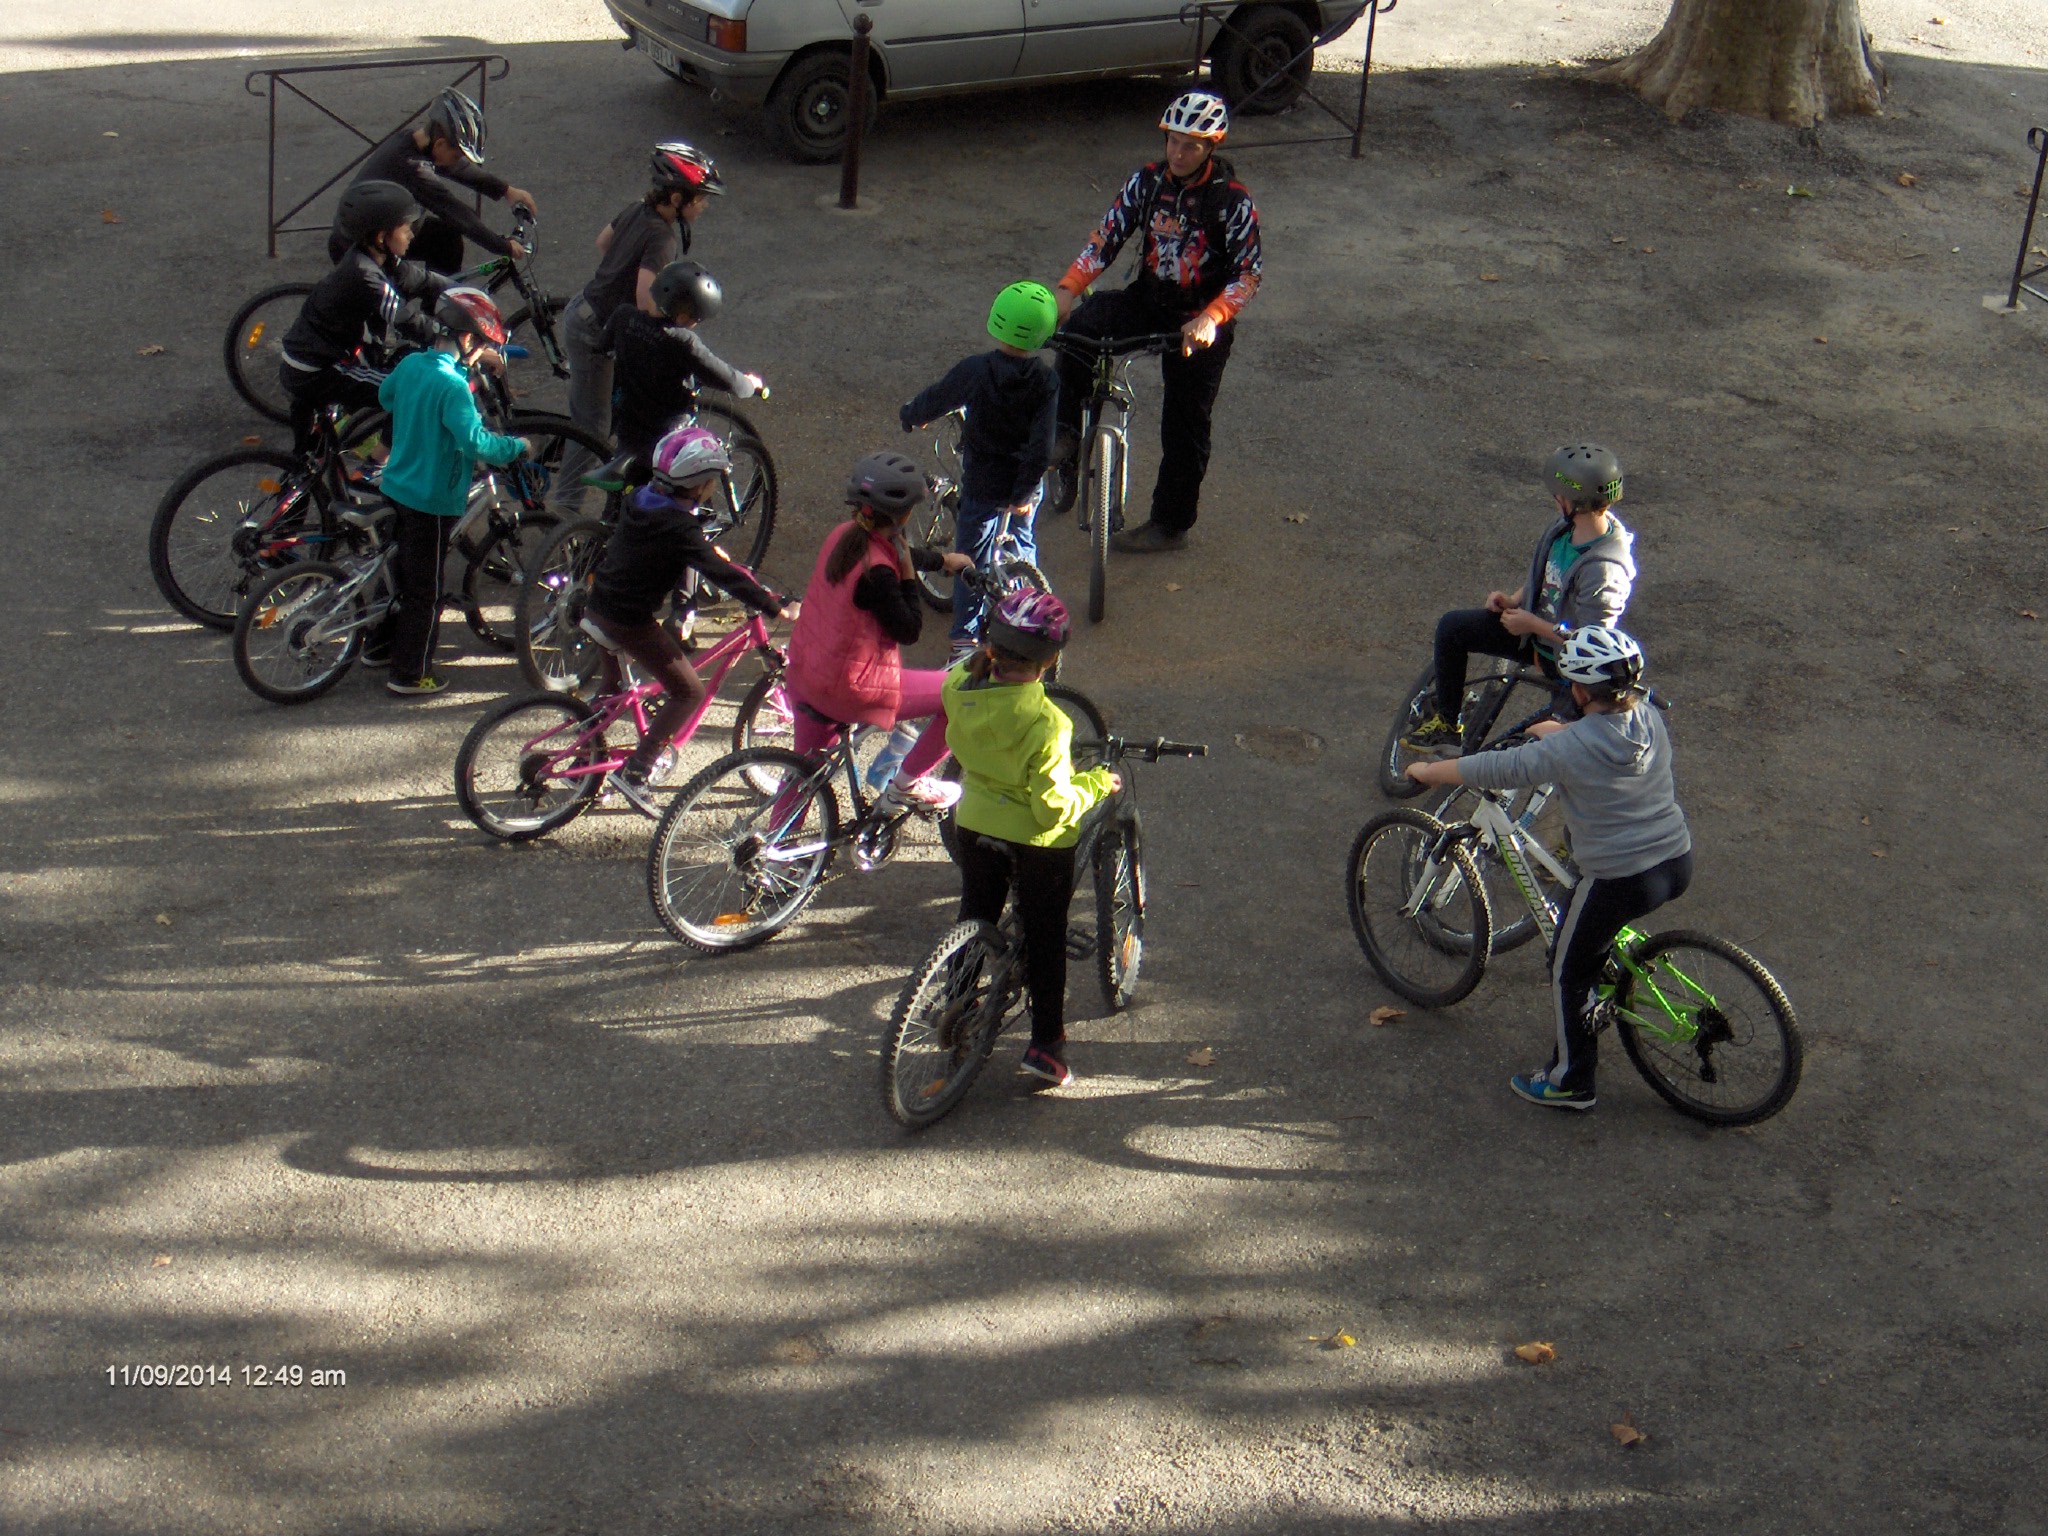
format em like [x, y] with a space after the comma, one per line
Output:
[928, 796]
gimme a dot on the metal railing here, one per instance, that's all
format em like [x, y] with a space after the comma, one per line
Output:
[2022, 274]
[476, 66]
[1203, 12]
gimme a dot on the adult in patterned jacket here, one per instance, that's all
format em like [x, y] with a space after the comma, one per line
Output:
[1199, 267]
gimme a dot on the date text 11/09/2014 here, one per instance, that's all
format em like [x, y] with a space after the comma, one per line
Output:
[225, 1376]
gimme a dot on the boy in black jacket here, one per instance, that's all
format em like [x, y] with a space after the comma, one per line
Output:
[1012, 401]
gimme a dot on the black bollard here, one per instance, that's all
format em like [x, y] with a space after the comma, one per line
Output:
[857, 112]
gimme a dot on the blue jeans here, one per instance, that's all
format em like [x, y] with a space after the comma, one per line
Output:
[974, 535]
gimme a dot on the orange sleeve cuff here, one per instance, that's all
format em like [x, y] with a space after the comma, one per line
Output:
[1075, 281]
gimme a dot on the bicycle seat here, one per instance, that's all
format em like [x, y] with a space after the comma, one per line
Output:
[367, 515]
[626, 472]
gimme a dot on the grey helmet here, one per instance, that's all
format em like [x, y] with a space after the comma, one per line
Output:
[1598, 657]
[683, 285]
[1585, 474]
[888, 482]
[454, 117]
[368, 208]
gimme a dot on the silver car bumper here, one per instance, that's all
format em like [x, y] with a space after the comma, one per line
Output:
[663, 32]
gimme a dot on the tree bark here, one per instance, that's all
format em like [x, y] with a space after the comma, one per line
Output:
[1794, 61]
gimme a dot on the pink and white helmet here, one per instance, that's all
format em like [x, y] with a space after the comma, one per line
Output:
[687, 455]
[1031, 624]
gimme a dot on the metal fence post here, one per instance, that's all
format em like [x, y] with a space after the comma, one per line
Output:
[857, 112]
[2037, 138]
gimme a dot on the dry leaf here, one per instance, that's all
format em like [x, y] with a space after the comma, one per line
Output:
[797, 1351]
[1202, 1057]
[251, 441]
[1517, 106]
[1341, 1339]
[1799, 192]
[152, 350]
[1539, 357]
[1297, 517]
[161, 1261]
[108, 216]
[1879, 853]
[1386, 1015]
[1536, 1354]
[110, 134]
[2028, 613]
[1173, 586]
[1617, 239]
[163, 919]
[1649, 250]
[1939, 21]
[1822, 340]
[1908, 179]
[1864, 820]
[1489, 277]
[1796, 1344]
[1627, 1433]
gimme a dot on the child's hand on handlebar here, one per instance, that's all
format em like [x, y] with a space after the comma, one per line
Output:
[791, 610]
[750, 385]
[1116, 780]
[519, 197]
[955, 563]
[1198, 334]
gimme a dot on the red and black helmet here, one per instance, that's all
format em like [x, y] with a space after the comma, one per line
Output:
[470, 312]
[680, 167]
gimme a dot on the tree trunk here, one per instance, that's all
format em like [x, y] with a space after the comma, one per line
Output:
[1795, 61]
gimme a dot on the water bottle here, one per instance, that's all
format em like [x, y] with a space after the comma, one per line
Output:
[883, 769]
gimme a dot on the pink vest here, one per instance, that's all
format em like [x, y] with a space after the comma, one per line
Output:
[840, 662]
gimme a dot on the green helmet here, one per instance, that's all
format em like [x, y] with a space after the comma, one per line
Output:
[1024, 314]
[1585, 475]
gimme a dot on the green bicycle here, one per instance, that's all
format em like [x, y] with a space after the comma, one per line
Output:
[1704, 1022]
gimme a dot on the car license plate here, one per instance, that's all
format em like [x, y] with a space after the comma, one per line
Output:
[658, 53]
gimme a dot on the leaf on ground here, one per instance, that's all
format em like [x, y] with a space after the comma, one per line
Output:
[1649, 250]
[1173, 586]
[2028, 613]
[1385, 1015]
[1539, 357]
[1822, 340]
[1863, 821]
[161, 1261]
[1908, 179]
[1617, 239]
[799, 1350]
[1297, 517]
[1341, 1339]
[152, 350]
[1517, 106]
[1202, 1057]
[108, 216]
[110, 134]
[1539, 1353]
[1489, 277]
[1626, 1432]
[1799, 191]
[1878, 853]
[163, 919]
[252, 440]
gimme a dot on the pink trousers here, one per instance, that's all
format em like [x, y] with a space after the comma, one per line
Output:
[920, 698]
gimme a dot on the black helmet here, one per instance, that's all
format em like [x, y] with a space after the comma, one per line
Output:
[888, 482]
[684, 286]
[454, 117]
[368, 208]
[680, 167]
[1586, 475]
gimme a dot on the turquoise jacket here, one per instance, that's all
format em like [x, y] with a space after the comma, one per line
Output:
[1017, 776]
[437, 435]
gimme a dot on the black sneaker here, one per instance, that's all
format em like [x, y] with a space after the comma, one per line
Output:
[1149, 538]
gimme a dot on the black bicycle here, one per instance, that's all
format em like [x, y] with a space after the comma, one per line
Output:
[254, 346]
[1102, 464]
[972, 984]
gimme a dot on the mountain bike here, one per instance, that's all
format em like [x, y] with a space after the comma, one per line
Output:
[553, 650]
[1103, 462]
[300, 631]
[746, 844]
[254, 346]
[535, 763]
[1704, 1022]
[934, 525]
[972, 984]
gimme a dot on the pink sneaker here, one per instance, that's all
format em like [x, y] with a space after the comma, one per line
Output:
[928, 796]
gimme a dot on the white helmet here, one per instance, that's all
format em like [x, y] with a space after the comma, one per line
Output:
[1199, 115]
[1597, 657]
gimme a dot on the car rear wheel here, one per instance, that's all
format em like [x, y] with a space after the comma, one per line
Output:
[810, 107]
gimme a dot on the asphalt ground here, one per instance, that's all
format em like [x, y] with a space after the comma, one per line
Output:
[300, 1070]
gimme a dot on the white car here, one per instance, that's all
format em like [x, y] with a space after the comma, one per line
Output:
[790, 56]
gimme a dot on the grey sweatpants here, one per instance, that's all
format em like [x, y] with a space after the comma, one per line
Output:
[590, 386]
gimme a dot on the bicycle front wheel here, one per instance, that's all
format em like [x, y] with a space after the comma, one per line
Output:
[733, 863]
[1398, 895]
[297, 634]
[765, 718]
[254, 347]
[224, 524]
[529, 765]
[1546, 828]
[1119, 913]
[945, 1025]
[1709, 1028]
[934, 526]
[1105, 505]
[547, 632]
[741, 515]
[1486, 687]
[493, 582]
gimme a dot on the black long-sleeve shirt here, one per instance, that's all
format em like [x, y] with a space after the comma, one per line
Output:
[893, 599]
[433, 187]
[657, 368]
[355, 315]
[1012, 404]
[654, 543]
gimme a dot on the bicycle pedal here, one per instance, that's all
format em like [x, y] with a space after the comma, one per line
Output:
[1080, 942]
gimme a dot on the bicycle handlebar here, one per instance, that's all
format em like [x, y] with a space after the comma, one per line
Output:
[1088, 348]
[1115, 748]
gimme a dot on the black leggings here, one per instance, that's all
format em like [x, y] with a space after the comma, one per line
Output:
[661, 658]
[1458, 634]
[422, 540]
[310, 393]
[1045, 888]
[1599, 909]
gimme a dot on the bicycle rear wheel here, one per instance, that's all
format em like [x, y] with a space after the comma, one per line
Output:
[1709, 1028]
[733, 864]
[1394, 894]
[1547, 829]
[1119, 912]
[945, 1024]
[741, 518]
[494, 580]
[254, 347]
[1105, 505]
[547, 632]
[529, 765]
[1487, 684]
[224, 524]
[297, 635]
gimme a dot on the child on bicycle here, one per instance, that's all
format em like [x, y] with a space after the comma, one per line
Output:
[660, 535]
[659, 361]
[1012, 401]
[860, 608]
[437, 439]
[1022, 805]
[1629, 837]
[1581, 573]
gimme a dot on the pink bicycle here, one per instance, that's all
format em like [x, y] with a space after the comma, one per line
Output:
[537, 762]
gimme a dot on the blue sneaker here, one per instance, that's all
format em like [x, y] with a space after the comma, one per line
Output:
[1537, 1088]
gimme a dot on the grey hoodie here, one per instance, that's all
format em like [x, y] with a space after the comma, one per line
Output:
[1614, 771]
[1596, 588]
